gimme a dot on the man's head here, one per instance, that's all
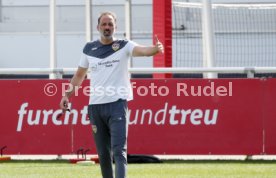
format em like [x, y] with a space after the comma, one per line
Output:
[107, 25]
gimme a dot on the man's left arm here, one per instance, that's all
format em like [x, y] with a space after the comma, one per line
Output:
[148, 50]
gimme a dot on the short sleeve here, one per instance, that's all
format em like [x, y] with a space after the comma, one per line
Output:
[131, 45]
[83, 61]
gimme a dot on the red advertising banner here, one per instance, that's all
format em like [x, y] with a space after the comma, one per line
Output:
[172, 116]
[269, 115]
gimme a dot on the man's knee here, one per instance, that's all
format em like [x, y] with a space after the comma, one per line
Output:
[120, 152]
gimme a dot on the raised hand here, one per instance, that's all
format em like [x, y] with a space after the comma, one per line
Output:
[159, 45]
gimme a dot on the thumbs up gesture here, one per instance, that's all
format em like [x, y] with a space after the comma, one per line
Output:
[158, 45]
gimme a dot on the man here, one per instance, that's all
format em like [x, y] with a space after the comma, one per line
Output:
[107, 59]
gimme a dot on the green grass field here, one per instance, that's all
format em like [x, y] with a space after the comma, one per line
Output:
[169, 169]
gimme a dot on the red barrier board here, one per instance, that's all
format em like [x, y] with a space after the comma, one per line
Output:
[172, 116]
[269, 116]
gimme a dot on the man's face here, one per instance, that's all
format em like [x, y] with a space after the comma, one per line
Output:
[107, 26]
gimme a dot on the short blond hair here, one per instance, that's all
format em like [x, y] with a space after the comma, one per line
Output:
[106, 13]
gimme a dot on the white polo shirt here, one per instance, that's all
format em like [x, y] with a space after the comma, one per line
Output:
[109, 76]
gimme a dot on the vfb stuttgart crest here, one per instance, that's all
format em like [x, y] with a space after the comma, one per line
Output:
[94, 128]
[115, 46]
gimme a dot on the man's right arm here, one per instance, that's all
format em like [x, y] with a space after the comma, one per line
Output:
[76, 81]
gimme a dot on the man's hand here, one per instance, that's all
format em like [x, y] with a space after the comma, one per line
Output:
[158, 45]
[64, 103]
[75, 82]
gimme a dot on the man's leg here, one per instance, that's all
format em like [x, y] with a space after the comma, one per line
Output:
[118, 129]
[102, 140]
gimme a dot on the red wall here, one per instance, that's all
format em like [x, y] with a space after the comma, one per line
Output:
[240, 119]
